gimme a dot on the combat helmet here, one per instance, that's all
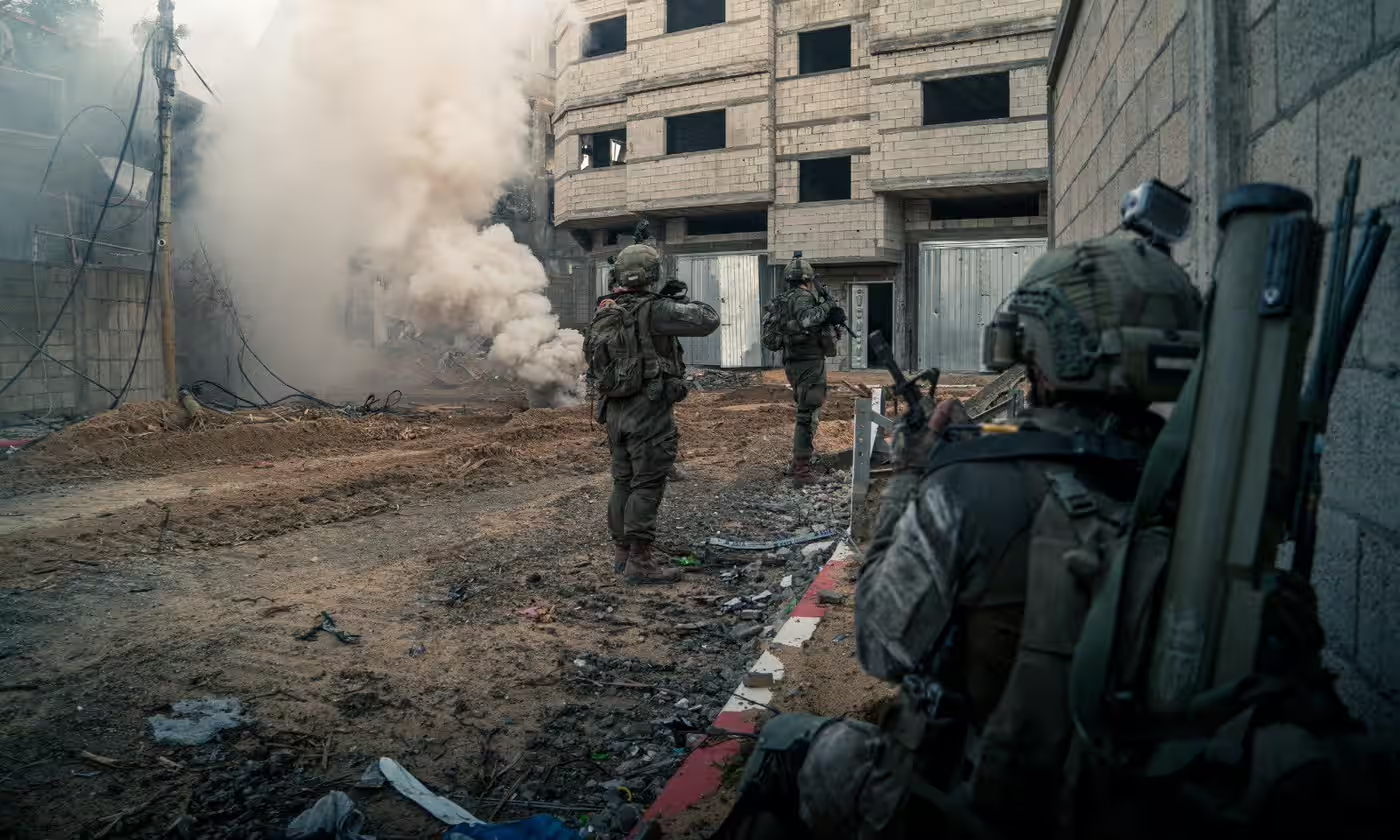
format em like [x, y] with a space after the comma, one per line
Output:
[799, 270]
[1112, 317]
[638, 266]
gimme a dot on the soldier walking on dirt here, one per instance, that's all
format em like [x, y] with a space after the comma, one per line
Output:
[801, 323]
[637, 366]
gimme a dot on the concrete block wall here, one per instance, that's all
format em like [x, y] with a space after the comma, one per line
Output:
[906, 152]
[714, 178]
[98, 335]
[745, 35]
[1123, 111]
[1324, 84]
[1320, 82]
[591, 193]
[898, 20]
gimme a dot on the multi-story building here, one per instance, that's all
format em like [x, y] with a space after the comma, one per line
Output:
[899, 144]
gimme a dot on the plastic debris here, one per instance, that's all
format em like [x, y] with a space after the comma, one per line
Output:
[333, 817]
[327, 625]
[686, 561]
[541, 827]
[787, 582]
[733, 545]
[196, 721]
[444, 810]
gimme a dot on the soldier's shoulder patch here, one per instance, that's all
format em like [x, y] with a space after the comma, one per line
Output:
[606, 302]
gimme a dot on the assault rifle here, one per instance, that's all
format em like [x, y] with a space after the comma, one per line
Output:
[906, 389]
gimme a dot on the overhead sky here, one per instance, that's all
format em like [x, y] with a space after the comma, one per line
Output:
[222, 32]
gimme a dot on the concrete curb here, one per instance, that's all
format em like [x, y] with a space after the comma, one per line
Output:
[699, 775]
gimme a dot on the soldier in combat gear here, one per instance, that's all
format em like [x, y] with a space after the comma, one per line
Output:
[803, 319]
[975, 589]
[637, 364]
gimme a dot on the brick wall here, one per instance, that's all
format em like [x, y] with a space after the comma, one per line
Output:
[1321, 82]
[97, 335]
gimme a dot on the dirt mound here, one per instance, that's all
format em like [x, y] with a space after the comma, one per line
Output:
[151, 438]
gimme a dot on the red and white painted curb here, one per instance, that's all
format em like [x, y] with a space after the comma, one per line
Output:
[700, 774]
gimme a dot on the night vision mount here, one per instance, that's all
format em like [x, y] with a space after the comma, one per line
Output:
[1158, 213]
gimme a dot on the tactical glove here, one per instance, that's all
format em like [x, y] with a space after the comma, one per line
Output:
[837, 317]
[914, 447]
[674, 289]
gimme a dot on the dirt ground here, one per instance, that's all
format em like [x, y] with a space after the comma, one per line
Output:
[143, 563]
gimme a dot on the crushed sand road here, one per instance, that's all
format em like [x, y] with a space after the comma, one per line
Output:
[499, 654]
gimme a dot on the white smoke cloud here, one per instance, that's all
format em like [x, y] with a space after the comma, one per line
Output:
[382, 133]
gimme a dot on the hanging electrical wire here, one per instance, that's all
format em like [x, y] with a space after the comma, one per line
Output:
[181, 51]
[97, 231]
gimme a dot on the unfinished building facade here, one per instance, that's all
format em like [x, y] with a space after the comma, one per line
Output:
[900, 145]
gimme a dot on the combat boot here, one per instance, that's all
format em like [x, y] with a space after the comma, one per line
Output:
[802, 474]
[642, 567]
[620, 551]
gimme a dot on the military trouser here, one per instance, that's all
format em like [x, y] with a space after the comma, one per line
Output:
[808, 381]
[642, 437]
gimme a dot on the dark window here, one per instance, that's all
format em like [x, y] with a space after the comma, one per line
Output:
[616, 235]
[549, 152]
[695, 132]
[602, 148]
[688, 14]
[550, 209]
[826, 49]
[826, 179]
[967, 99]
[985, 206]
[727, 223]
[605, 37]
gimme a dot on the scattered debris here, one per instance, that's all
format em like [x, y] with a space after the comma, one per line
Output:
[787, 582]
[744, 632]
[733, 545]
[542, 614]
[327, 625]
[101, 760]
[443, 810]
[416, 651]
[196, 721]
[826, 596]
[810, 551]
[758, 679]
[333, 817]
[540, 827]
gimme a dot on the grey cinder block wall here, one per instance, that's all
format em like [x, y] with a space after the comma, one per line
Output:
[1206, 94]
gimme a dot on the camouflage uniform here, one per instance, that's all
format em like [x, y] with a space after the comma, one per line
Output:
[642, 428]
[807, 343]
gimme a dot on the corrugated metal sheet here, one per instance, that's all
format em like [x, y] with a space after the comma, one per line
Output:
[961, 285]
[701, 275]
[740, 311]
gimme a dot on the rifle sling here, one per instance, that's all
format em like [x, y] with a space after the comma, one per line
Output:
[1038, 446]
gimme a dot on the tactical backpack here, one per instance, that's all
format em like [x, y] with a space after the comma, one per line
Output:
[618, 348]
[774, 331]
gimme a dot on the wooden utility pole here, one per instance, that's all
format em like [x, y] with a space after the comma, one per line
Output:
[165, 41]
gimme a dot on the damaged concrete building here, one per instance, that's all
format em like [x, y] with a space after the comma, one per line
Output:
[50, 198]
[900, 145]
[1212, 94]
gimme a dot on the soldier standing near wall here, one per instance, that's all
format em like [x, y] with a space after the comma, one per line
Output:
[638, 369]
[801, 324]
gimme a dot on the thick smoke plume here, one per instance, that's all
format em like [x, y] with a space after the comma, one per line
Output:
[370, 139]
